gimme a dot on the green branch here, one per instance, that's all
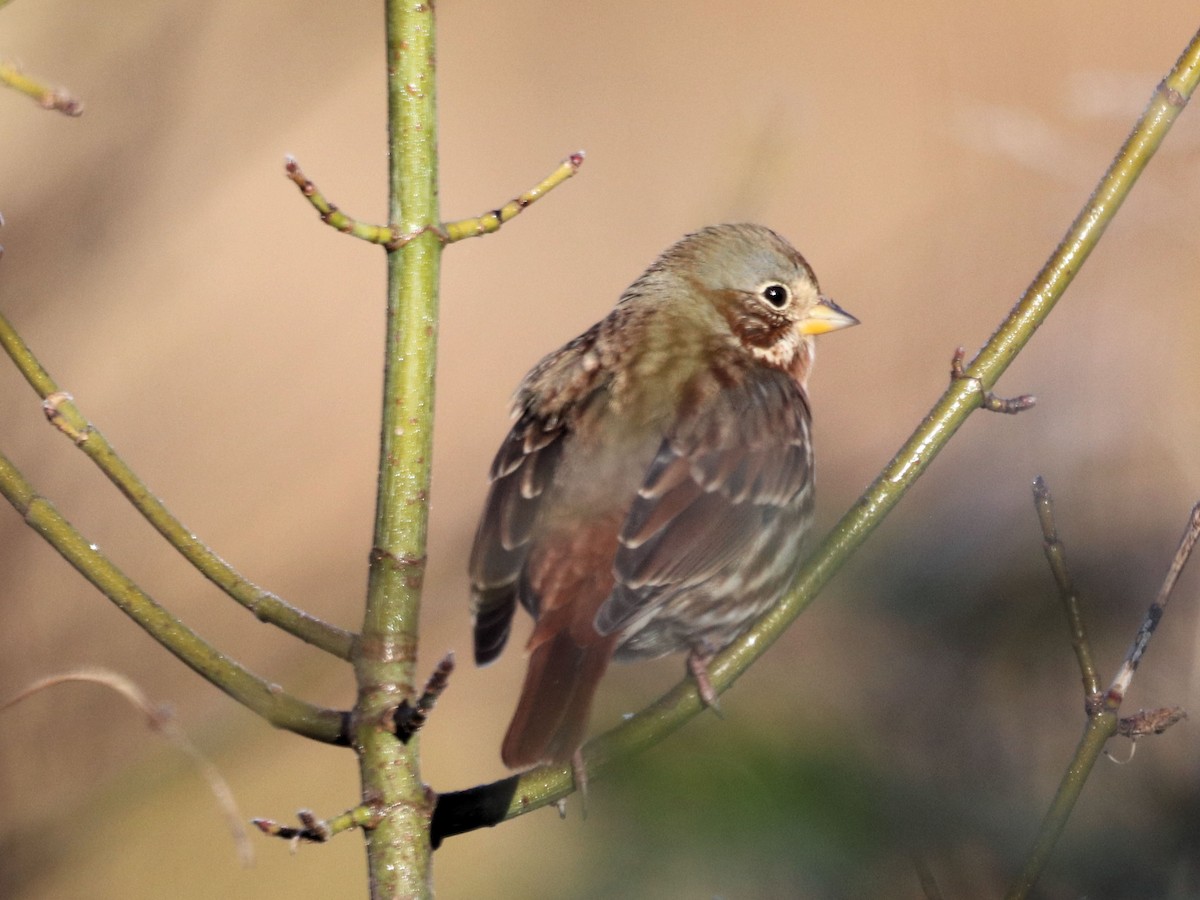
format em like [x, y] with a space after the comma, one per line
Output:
[1100, 728]
[965, 394]
[384, 660]
[491, 221]
[260, 696]
[46, 97]
[331, 215]
[62, 412]
[448, 232]
[1056, 556]
[1102, 708]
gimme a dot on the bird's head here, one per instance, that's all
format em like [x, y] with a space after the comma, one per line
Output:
[748, 284]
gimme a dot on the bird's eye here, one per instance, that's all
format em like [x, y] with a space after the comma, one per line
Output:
[775, 294]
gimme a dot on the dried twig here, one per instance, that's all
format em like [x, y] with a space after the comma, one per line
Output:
[1056, 556]
[1187, 543]
[161, 720]
[409, 718]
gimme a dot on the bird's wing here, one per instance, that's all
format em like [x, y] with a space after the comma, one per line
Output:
[548, 402]
[522, 470]
[722, 473]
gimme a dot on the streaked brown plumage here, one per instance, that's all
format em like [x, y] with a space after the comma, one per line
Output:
[654, 493]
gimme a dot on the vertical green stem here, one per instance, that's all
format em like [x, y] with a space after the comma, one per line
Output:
[398, 848]
[1099, 729]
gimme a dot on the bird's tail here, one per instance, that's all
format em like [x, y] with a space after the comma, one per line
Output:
[552, 715]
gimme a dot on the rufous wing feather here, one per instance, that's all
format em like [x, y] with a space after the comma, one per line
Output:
[556, 700]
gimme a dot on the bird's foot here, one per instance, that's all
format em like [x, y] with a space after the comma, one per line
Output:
[697, 663]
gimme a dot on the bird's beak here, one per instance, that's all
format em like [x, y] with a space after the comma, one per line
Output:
[824, 317]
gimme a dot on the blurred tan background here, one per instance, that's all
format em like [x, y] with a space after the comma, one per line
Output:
[925, 158]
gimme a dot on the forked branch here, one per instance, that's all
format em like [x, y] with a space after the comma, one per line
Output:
[393, 238]
[1102, 709]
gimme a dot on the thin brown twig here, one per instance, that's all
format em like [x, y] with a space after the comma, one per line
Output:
[160, 719]
[447, 233]
[1187, 543]
[1056, 555]
[410, 718]
[1103, 724]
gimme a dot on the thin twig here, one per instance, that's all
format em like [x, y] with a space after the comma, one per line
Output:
[491, 221]
[62, 412]
[448, 233]
[1008, 405]
[268, 700]
[46, 97]
[1187, 543]
[334, 217]
[409, 719]
[1056, 555]
[318, 831]
[160, 719]
[1103, 723]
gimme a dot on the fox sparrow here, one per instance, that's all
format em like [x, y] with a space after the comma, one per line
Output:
[654, 492]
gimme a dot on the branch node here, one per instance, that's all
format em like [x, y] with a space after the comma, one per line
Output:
[60, 410]
[396, 240]
[408, 718]
[1171, 96]
[1008, 405]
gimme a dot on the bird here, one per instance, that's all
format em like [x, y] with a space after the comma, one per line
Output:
[656, 486]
